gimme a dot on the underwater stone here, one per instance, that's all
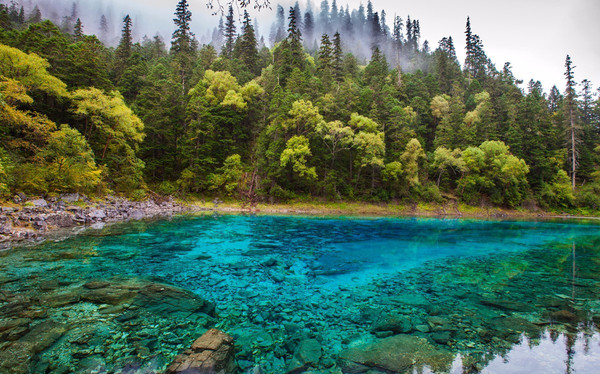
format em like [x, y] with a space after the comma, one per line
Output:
[564, 316]
[277, 276]
[507, 305]
[508, 326]
[309, 351]
[441, 337]
[393, 322]
[212, 353]
[400, 353]
[422, 328]
[92, 364]
[107, 295]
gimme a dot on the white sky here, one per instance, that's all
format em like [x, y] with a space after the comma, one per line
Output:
[534, 35]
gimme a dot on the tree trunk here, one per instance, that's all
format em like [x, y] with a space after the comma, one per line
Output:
[573, 160]
[106, 147]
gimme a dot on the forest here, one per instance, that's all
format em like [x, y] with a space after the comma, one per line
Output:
[338, 106]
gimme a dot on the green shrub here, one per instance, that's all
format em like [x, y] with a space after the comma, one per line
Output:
[138, 195]
[166, 188]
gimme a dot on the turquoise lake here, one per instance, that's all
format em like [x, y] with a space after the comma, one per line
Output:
[464, 296]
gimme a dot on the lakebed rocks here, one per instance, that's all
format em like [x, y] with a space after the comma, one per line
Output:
[397, 354]
[113, 325]
[36, 218]
[212, 353]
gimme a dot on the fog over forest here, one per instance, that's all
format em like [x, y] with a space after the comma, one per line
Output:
[532, 45]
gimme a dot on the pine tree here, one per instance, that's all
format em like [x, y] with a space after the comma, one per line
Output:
[397, 39]
[277, 31]
[554, 99]
[35, 16]
[103, 29]
[324, 16]
[325, 54]
[360, 19]
[230, 34]
[369, 12]
[570, 96]
[21, 16]
[78, 30]
[123, 51]
[385, 30]
[348, 26]
[334, 15]
[471, 50]
[298, 15]
[338, 57]
[218, 35]
[416, 34]
[308, 26]
[586, 103]
[247, 46]
[375, 31]
[409, 33]
[182, 42]
[294, 34]
[476, 62]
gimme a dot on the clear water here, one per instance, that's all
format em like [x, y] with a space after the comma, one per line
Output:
[501, 296]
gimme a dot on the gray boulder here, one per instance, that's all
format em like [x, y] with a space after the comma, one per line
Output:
[39, 203]
[137, 214]
[97, 214]
[71, 197]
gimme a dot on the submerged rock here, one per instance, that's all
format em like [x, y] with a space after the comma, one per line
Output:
[307, 354]
[17, 357]
[398, 354]
[162, 299]
[393, 322]
[564, 316]
[508, 305]
[212, 353]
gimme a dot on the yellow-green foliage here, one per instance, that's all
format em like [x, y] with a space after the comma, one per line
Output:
[229, 176]
[30, 71]
[114, 133]
[411, 159]
[20, 75]
[4, 189]
[296, 153]
[69, 162]
[493, 171]
[222, 88]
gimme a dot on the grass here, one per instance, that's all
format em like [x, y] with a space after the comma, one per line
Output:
[307, 206]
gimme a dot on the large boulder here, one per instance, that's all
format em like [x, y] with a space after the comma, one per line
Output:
[163, 299]
[71, 197]
[397, 323]
[39, 203]
[61, 219]
[96, 214]
[396, 354]
[307, 355]
[212, 353]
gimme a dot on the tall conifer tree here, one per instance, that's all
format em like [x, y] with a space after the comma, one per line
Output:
[571, 107]
[230, 34]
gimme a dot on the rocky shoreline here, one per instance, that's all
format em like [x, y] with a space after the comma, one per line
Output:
[34, 219]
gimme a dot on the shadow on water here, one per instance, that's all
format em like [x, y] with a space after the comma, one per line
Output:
[345, 294]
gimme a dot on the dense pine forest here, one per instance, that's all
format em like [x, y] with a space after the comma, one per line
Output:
[342, 106]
